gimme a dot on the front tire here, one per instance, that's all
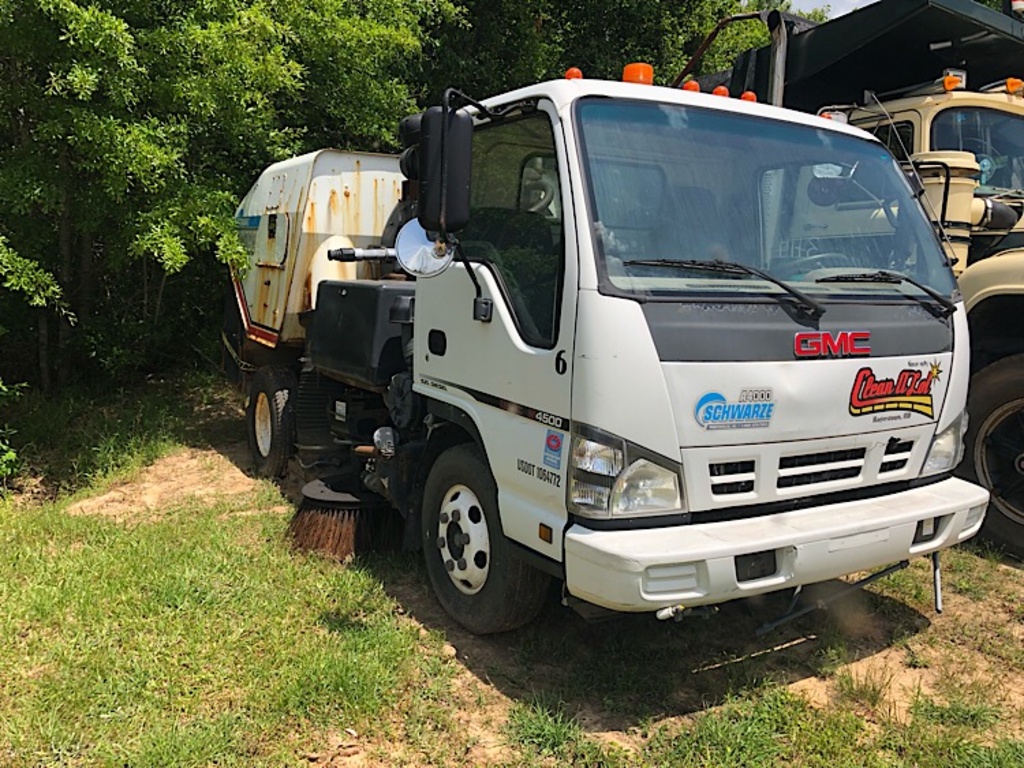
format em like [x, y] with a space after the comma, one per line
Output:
[477, 576]
[270, 415]
[994, 455]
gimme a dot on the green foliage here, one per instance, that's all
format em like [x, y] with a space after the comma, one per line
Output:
[598, 36]
[27, 277]
[475, 51]
[76, 438]
[9, 463]
[128, 132]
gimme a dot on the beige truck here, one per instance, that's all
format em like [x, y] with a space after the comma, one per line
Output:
[941, 84]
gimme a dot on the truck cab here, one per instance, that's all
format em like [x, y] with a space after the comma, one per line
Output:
[688, 392]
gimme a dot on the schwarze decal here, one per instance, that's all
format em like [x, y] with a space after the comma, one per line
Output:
[753, 409]
[911, 390]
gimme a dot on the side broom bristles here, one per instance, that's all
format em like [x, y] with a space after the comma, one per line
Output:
[325, 528]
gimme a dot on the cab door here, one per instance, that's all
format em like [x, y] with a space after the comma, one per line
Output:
[512, 375]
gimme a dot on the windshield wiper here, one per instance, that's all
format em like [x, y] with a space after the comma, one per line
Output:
[1016, 194]
[814, 309]
[947, 307]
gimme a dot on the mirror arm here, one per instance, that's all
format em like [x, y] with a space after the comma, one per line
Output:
[481, 307]
[361, 254]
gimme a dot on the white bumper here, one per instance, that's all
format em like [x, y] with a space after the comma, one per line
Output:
[644, 570]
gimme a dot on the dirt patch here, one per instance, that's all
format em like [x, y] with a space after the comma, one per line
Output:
[171, 481]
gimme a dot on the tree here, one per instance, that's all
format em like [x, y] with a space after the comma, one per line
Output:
[39, 289]
[129, 130]
[496, 45]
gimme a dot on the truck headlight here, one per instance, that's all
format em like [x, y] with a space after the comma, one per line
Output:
[645, 488]
[609, 477]
[947, 448]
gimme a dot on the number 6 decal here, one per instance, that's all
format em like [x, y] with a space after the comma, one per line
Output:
[560, 365]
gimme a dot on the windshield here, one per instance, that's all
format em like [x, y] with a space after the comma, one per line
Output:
[995, 138]
[669, 183]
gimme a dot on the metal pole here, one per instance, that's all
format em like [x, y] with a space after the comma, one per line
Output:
[780, 46]
[824, 602]
[937, 581]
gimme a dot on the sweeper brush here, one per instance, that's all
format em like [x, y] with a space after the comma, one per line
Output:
[341, 525]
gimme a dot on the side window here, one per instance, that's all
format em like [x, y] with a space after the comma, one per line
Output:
[516, 220]
[898, 137]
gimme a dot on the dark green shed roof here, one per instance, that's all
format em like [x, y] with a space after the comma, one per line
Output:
[886, 46]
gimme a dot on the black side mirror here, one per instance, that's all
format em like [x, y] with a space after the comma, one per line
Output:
[445, 162]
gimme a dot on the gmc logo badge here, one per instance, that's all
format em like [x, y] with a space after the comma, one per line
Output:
[825, 344]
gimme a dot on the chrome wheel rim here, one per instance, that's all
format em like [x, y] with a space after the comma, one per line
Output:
[463, 541]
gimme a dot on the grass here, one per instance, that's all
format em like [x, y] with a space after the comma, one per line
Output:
[194, 636]
[768, 728]
[207, 649]
[870, 688]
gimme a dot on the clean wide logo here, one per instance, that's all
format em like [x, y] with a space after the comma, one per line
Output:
[910, 390]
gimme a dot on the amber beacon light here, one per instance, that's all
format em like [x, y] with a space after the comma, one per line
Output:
[638, 72]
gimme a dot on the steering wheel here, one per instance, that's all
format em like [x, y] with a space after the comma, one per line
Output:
[538, 194]
[794, 267]
[989, 161]
[891, 216]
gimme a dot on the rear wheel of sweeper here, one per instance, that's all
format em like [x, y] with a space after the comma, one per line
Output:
[270, 415]
[477, 577]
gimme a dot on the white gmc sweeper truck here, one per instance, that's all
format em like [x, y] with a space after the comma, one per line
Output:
[669, 348]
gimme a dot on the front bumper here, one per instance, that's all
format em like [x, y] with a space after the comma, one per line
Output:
[649, 569]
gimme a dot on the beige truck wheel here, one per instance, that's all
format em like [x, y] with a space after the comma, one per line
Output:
[994, 455]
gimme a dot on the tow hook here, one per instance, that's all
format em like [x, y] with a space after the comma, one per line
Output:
[680, 612]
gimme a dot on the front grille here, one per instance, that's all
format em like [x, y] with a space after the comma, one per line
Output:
[732, 477]
[825, 457]
[815, 468]
[821, 466]
[897, 454]
[813, 478]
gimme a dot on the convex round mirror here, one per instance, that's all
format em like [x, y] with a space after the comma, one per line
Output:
[418, 254]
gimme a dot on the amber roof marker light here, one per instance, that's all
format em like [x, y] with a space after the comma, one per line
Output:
[638, 72]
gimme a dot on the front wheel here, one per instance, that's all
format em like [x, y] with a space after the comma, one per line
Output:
[476, 575]
[995, 448]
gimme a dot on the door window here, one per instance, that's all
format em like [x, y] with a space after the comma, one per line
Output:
[516, 220]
